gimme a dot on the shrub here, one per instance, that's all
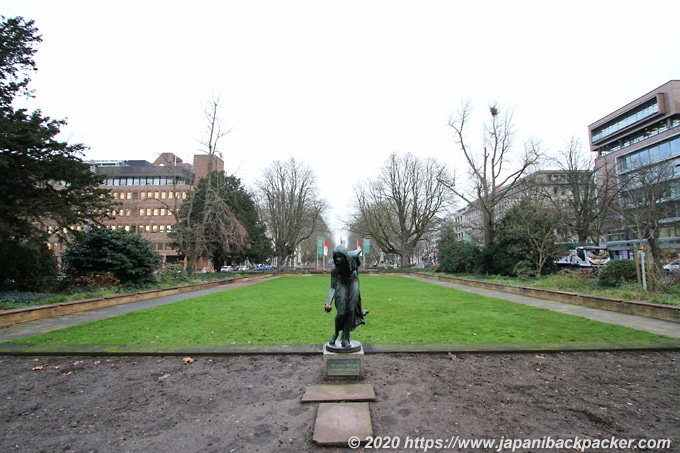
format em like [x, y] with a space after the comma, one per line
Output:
[173, 274]
[458, 257]
[127, 256]
[95, 280]
[524, 269]
[496, 259]
[617, 272]
[18, 299]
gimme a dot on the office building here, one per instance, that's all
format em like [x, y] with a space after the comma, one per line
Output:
[148, 195]
[642, 134]
[550, 186]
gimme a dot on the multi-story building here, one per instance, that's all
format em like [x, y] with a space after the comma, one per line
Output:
[642, 134]
[149, 194]
[551, 186]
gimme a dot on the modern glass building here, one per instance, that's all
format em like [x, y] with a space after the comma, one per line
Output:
[642, 135]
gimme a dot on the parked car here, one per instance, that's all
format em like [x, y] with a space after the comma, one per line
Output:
[264, 267]
[226, 269]
[672, 268]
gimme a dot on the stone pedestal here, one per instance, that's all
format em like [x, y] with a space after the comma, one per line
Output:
[339, 363]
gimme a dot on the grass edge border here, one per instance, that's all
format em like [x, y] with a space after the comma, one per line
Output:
[317, 349]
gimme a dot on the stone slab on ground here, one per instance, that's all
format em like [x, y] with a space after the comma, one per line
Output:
[337, 422]
[324, 393]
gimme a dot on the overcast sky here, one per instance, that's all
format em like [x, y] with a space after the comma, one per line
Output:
[339, 85]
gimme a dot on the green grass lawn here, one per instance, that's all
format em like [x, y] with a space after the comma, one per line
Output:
[289, 310]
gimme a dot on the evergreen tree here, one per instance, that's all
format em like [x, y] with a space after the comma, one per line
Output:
[457, 256]
[45, 186]
[257, 247]
[219, 220]
[527, 233]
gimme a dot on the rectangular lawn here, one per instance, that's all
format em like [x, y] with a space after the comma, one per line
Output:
[289, 310]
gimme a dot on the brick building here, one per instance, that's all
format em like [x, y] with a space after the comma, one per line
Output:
[148, 195]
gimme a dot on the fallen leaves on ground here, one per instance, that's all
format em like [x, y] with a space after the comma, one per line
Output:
[46, 366]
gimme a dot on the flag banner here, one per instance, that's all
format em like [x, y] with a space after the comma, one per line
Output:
[325, 247]
[319, 245]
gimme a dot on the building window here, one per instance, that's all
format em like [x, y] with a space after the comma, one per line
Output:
[648, 109]
[653, 154]
[675, 147]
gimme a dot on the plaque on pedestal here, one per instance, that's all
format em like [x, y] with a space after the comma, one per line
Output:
[343, 363]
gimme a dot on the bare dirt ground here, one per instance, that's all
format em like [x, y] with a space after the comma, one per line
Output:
[252, 403]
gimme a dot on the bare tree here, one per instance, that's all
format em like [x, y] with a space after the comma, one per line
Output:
[490, 177]
[214, 131]
[403, 205]
[646, 202]
[591, 192]
[290, 205]
[205, 218]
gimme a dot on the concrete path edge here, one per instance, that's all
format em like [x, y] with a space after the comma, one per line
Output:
[317, 349]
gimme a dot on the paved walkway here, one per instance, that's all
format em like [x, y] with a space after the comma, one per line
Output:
[668, 328]
[27, 329]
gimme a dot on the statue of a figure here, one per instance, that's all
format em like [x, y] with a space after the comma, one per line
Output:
[345, 291]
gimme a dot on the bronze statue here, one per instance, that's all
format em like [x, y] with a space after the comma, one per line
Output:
[345, 291]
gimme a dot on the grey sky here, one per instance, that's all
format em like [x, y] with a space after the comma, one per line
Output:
[339, 85]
